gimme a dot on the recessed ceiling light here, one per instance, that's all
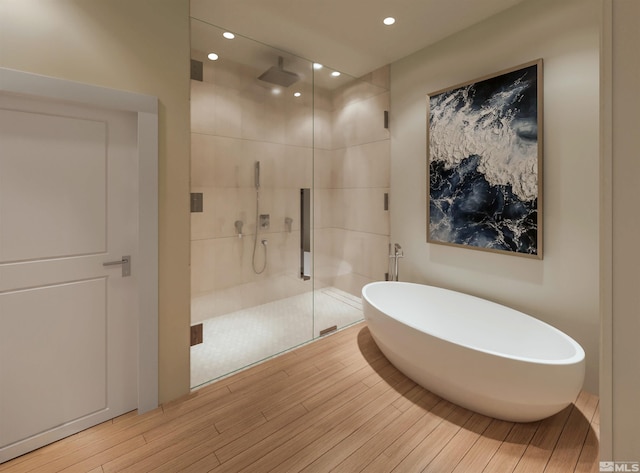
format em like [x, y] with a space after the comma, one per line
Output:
[213, 56]
[389, 20]
[297, 94]
[335, 73]
[228, 35]
[276, 91]
[317, 66]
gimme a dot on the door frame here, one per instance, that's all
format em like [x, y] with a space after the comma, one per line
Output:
[146, 264]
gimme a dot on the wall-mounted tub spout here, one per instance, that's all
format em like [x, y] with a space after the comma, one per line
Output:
[238, 224]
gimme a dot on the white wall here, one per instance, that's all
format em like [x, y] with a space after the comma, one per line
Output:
[561, 289]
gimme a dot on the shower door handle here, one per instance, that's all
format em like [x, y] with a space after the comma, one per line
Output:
[126, 265]
[305, 234]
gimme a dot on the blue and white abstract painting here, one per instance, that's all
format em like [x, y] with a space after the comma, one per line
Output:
[484, 148]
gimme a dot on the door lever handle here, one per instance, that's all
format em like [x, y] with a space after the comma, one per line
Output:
[126, 265]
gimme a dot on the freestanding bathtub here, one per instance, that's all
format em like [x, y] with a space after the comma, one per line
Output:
[475, 353]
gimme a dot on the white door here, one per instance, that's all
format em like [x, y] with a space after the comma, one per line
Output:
[68, 324]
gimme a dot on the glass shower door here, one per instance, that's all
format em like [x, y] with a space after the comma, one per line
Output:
[252, 153]
[351, 188]
[289, 180]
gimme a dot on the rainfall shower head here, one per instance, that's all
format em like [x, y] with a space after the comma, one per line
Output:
[279, 76]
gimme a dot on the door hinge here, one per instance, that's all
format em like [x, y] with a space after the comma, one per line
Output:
[196, 201]
[196, 334]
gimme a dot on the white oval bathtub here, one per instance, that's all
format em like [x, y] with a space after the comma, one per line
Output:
[475, 353]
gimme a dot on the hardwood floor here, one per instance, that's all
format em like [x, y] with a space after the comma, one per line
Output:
[333, 405]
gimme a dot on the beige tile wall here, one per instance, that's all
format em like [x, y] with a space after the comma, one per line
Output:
[352, 227]
[236, 121]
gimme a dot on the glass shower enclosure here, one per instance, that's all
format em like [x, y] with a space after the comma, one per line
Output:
[282, 226]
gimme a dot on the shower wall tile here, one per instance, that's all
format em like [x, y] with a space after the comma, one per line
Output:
[299, 119]
[323, 129]
[323, 99]
[216, 263]
[360, 122]
[324, 209]
[357, 91]
[349, 259]
[338, 147]
[328, 256]
[217, 161]
[237, 121]
[263, 115]
[322, 117]
[230, 162]
[296, 167]
[352, 248]
[221, 263]
[265, 152]
[229, 74]
[230, 102]
[365, 165]
[284, 254]
[362, 210]
[276, 118]
[324, 169]
[242, 296]
[280, 203]
[365, 253]
[222, 207]
[352, 283]
[203, 100]
[215, 110]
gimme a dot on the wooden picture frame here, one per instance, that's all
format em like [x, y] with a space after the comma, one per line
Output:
[484, 163]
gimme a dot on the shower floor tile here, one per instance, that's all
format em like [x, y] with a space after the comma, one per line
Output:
[239, 339]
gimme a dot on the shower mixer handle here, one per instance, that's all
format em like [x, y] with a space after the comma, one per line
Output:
[239, 224]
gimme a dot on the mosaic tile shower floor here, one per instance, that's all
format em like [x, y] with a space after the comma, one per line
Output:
[239, 339]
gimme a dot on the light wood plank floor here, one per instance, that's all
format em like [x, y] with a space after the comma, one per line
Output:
[333, 405]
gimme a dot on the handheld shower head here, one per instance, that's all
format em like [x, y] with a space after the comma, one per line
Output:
[256, 177]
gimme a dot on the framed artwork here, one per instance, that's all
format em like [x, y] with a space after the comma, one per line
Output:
[484, 163]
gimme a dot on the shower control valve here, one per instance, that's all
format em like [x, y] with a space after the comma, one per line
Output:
[238, 224]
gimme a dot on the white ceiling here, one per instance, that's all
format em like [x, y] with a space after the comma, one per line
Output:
[347, 35]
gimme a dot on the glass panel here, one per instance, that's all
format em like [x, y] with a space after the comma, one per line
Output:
[289, 179]
[252, 153]
[351, 182]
